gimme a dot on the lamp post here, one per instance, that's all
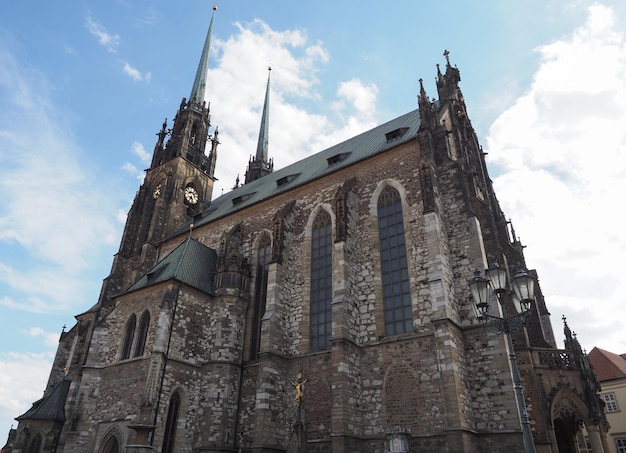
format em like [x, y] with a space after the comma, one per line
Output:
[523, 295]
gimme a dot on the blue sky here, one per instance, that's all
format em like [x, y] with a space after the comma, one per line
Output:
[84, 88]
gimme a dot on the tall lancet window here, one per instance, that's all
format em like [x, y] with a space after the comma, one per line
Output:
[260, 293]
[142, 335]
[170, 425]
[321, 281]
[393, 263]
[128, 337]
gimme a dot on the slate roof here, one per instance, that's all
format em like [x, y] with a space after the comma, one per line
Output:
[51, 406]
[607, 365]
[191, 262]
[337, 157]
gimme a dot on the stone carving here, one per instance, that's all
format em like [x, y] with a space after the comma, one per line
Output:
[398, 440]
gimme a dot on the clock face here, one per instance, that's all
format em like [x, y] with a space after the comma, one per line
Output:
[191, 196]
[157, 192]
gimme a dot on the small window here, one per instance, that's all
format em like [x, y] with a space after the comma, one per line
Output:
[610, 402]
[397, 133]
[152, 275]
[337, 158]
[242, 198]
[286, 180]
[621, 445]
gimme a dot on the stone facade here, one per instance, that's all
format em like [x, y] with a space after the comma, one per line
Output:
[192, 380]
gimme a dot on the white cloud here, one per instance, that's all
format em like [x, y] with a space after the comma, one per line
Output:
[241, 62]
[121, 216]
[561, 152]
[31, 371]
[141, 152]
[132, 72]
[50, 339]
[135, 74]
[107, 40]
[51, 212]
[133, 170]
[361, 98]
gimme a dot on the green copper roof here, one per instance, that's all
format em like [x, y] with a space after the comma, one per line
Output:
[191, 262]
[340, 156]
[199, 83]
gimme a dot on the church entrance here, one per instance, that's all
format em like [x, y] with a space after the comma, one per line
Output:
[565, 429]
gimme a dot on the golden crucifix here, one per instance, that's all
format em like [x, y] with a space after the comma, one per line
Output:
[298, 384]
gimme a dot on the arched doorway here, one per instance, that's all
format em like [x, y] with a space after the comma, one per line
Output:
[111, 444]
[568, 417]
[565, 430]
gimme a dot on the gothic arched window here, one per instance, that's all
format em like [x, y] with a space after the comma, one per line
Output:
[128, 337]
[321, 281]
[142, 334]
[264, 255]
[34, 446]
[170, 425]
[393, 263]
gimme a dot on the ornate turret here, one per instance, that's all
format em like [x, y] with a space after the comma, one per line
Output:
[427, 111]
[448, 83]
[261, 165]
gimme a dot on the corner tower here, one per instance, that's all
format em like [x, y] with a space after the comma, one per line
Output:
[177, 186]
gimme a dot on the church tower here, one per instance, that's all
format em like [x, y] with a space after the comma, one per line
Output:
[177, 186]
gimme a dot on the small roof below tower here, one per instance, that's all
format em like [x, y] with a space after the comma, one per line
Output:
[191, 262]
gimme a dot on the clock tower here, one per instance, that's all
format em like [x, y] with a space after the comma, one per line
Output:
[177, 186]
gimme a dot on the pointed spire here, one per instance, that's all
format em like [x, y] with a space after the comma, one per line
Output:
[199, 83]
[261, 165]
[425, 107]
[261, 149]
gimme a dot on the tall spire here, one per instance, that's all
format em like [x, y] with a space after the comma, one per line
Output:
[261, 149]
[199, 83]
[262, 165]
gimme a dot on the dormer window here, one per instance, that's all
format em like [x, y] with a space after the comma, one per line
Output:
[286, 179]
[397, 133]
[152, 275]
[240, 199]
[337, 158]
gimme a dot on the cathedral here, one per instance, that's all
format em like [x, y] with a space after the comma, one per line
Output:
[319, 307]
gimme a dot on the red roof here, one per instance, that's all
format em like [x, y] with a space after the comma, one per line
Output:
[607, 365]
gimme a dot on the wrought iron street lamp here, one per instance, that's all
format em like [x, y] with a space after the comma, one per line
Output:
[523, 295]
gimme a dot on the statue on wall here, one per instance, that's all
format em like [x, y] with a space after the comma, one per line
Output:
[298, 385]
[297, 440]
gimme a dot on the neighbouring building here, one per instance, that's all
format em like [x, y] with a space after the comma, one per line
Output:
[610, 369]
[326, 301]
